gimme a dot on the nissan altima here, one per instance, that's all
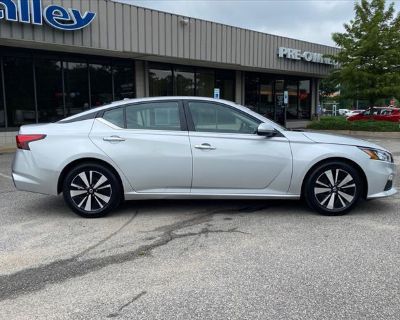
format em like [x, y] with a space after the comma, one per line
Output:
[191, 147]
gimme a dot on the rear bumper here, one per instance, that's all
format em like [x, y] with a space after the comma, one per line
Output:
[28, 176]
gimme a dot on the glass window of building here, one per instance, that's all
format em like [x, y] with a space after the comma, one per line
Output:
[153, 116]
[167, 80]
[225, 81]
[160, 81]
[2, 111]
[205, 80]
[100, 84]
[292, 112]
[76, 85]
[49, 90]
[124, 80]
[304, 99]
[18, 78]
[252, 91]
[184, 82]
[266, 104]
[211, 117]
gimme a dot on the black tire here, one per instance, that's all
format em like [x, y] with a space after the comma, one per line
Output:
[101, 187]
[333, 188]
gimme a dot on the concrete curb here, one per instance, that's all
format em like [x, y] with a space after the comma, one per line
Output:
[7, 149]
[368, 134]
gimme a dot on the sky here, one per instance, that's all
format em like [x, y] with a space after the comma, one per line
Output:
[310, 20]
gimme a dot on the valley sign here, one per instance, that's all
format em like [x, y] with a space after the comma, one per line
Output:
[32, 12]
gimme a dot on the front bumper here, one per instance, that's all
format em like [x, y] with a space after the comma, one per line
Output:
[383, 194]
[378, 174]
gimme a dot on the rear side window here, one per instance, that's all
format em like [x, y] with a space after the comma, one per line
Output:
[153, 116]
[115, 116]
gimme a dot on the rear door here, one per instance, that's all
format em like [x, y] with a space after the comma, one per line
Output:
[149, 142]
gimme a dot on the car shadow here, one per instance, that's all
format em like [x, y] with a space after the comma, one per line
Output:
[212, 206]
[50, 206]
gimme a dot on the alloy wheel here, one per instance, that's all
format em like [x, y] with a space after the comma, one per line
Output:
[90, 191]
[335, 189]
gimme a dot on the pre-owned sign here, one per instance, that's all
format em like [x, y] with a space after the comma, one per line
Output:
[32, 11]
[296, 54]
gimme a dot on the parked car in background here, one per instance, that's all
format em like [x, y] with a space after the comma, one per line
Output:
[389, 114]
[378, 114]
[343, 112]
[190, 148]
[353, 112]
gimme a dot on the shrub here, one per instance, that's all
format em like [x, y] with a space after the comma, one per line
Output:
[340, 123]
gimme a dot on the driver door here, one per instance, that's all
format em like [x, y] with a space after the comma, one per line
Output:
[228, 155]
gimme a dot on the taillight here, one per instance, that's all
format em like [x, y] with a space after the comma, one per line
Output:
[23, 140]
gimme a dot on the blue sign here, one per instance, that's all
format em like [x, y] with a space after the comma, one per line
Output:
[216, 93]
[31, 11]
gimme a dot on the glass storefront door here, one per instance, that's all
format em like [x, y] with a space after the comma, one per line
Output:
[280, 116]
[267, 103]
[264, 93]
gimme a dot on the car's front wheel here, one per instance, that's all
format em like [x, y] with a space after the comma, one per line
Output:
[333, 188]
[91, 190]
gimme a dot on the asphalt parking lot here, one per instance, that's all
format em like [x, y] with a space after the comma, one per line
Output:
[197, 259]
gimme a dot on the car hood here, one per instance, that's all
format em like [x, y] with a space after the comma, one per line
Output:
[339, 139]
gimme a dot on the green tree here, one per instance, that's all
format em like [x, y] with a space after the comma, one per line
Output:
[327, 88]
[369, 59]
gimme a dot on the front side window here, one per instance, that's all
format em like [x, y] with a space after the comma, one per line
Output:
[211, 117]
[153, 116]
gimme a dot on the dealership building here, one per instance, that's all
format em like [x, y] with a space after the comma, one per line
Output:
[58, 58]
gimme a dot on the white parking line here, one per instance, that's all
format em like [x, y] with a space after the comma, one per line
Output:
[5, 176]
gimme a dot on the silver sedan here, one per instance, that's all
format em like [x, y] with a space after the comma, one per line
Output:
[191, 147]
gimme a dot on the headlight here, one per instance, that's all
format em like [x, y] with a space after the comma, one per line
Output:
[375, 154]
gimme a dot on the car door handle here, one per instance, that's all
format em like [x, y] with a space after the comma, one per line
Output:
[204, 146]
[114, 139]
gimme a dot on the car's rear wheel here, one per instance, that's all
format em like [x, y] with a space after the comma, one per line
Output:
[91, 190]
[333, 188]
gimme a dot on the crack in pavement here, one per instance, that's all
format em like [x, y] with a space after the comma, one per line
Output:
[206, 232]
[107, 238]
[36, 278]
[116, 314]
[7, 191]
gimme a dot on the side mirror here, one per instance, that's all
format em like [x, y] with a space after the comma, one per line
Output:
[267, 130]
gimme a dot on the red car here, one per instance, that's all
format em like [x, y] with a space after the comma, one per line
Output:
[378, 114]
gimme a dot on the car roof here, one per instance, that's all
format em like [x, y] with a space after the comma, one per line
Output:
[146, 99]
[93, 111]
